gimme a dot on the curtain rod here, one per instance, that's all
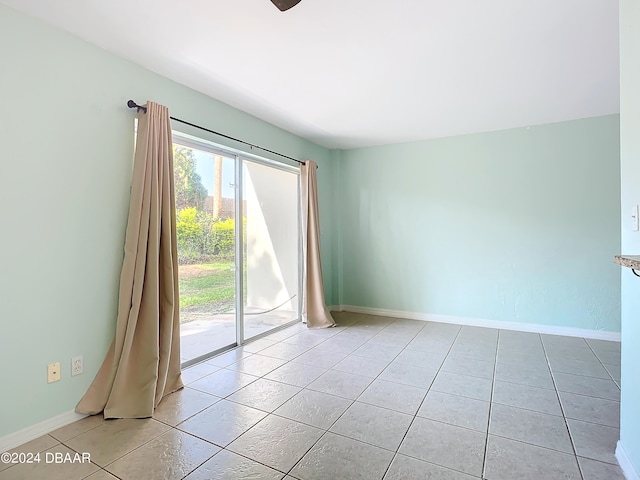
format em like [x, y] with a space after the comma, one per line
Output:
[132, 104]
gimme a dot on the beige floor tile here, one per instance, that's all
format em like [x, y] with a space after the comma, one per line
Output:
[223, 382]
[541, 429]
[284, 351]
[561, 341]
[591, 386]
[259, 345]
[195, 372]
[464, 385]
[429, 360]
[604, 345]
[296, 374]
[593, 470]
[615, 372]
[31, 448]
[349, 459]
[257, 365]
[264, 394]
[342, 384]
[76, 428]
[335, 368]
[467, 366]
[56, 463]
[223, 422]
[342, 343]
[446, 445]
[227, 358]
[405, 468]
[597, 442]
[178, 406]
[395, 396]
[36, 445]
[304, 339]
[381, 352]
[373, 425]
[523, 357]
[524, 375]
[510, 460]
[584, 354]
[227, 465]
[524, 396]
[485, 353]
[314, 408]
[430, 345]
[171, 456]
[577, 367]
[456, 410]
[409, 375]
[319, 358]
[591, 409]
[392, 340]
[612, 358]
[276, 442]
[368, 367]
[101, 475]
[114, 438]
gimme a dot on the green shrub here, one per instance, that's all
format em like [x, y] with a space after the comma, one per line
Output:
[188, 229]
[223, 236]
[201, 237]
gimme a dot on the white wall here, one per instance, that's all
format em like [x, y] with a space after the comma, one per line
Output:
[518, 225]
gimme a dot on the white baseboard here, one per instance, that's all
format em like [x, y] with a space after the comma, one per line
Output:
[625, 463]
[482, 322]
[34, 431]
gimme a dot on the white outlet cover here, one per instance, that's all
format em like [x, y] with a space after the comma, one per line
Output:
[77, 365]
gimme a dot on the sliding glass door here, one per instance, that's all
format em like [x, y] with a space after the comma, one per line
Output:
[271, 247]
[205, 226]
[237, 228]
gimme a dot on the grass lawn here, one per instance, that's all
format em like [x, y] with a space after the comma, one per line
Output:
[206, 289]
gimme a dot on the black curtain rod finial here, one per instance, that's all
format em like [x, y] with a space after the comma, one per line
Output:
[132, 104]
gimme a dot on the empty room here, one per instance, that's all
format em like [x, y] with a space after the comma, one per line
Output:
[308, 240]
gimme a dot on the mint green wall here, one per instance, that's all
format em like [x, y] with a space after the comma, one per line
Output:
[630, 196]
[517, 225]
[67, 143]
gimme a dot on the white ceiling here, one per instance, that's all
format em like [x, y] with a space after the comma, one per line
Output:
[350, 73]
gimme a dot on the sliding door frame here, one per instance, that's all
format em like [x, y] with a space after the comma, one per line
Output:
[239, 157]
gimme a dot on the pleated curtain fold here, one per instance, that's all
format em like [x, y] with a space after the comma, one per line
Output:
[143, 362]
[314, 310]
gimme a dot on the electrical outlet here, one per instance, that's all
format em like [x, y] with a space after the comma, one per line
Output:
[77, 365]
[53, 372]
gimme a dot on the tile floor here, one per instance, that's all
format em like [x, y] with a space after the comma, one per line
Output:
[373, 398]
[208, 333]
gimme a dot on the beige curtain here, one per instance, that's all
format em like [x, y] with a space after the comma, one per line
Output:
[143, 362]
[314, 311]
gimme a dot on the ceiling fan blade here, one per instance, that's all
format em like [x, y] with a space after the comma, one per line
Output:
[285, 4]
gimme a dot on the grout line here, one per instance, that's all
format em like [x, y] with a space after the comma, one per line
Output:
[126, 453]
[415, 415]
[245, 456]
[564, 415]
[493, 387]
[352, 400]
[602, 364]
